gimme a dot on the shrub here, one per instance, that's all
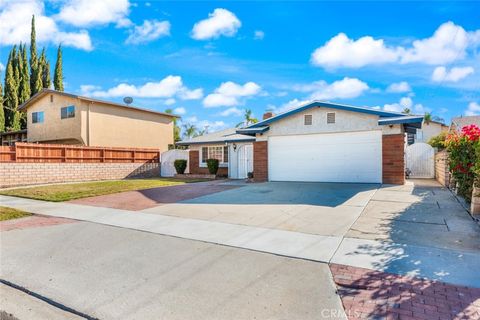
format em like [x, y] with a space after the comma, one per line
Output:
[180, 165]
[438, 141]
[463, 157]
[212, 165]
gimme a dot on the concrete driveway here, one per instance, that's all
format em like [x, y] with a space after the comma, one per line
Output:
[327, 209]
[117, 273]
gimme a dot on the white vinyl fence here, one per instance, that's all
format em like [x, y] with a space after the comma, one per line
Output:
[167, 168]
[421, 160]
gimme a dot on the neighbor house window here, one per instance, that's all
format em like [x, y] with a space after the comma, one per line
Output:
[37, 117]
[68, 112]
[330, 117]
[215, 152]
[308, 120]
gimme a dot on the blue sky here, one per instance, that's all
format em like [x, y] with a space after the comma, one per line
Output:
[211, 60]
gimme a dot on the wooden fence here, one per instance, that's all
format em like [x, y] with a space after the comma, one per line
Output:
[31, 152]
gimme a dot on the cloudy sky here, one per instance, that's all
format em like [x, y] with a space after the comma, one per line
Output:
[211, 60]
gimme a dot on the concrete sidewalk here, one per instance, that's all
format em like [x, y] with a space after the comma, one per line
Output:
[401, 258]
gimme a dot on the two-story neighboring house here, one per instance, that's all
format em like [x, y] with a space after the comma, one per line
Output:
[64, 118]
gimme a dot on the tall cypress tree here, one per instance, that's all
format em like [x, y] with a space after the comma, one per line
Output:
[58, 76]
[46, 81]
[2, 112]
[35, 68]
[11, 96]
[24, 87]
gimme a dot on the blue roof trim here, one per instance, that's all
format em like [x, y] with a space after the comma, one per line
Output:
[253, 130]
[401, 120]
[313, 104]
[243, 140]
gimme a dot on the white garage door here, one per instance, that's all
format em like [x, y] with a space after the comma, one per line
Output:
[331, 157]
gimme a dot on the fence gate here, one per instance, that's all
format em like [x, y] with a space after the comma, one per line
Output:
[420, 158]
[167, 168]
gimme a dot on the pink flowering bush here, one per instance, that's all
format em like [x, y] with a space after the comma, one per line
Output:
[464, 157]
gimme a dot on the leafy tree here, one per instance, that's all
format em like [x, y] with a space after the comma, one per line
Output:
[189, 131]
[58, 75]
[427, 117]
[37, 79]
[247, 119]
[438, 141]
[407, 111]
[176, 128]
[2, 112]
[46, 81]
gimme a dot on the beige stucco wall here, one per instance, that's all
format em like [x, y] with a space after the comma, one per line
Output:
[53, 128]
[122, 127]
[345, 121]
[429, 130]
[97, 124]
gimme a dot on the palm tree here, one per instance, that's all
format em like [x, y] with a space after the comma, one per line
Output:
[427, 117]
[176, 128]
[247, 119]
[190, 131]
[407, 111]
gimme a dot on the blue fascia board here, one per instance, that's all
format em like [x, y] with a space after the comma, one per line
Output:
[253, 130]
[401, 120]
[313, 104]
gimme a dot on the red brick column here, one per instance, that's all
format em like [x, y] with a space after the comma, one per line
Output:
[393, 159]
[193, 159]
[260, 161]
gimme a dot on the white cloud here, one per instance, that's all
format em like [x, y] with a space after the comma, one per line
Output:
[341, 51]
[180, 111]
[399, 87]
[210, 126]
[229, 94]
[473, 109]
[191, 94]
[258, 35]
[292, 104]
[86, 13]
[406, 102]
[453, 75]
[86, 89]
[2, 67]
[170, 101]
[340, 89]
[449, 43]
[231, 111]
[15, 17]
[150, 30]
[220, 22]
[168, 87]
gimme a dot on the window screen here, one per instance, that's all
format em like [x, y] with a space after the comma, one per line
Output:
[308, 120]
[67, 112]
[331, 117]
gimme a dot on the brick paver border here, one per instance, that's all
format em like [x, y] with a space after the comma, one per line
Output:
[369, 294]
[33, 221]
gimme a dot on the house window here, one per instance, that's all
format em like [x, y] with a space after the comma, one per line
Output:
[330, 117]
[68, 112]
[308, 120]
[37, 117]
[215, 152]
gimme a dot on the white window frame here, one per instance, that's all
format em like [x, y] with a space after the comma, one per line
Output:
[221, 163]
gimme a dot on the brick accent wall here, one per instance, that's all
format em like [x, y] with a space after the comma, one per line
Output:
[194, 165]
[18, 174]
[260, 161]
[393, 159]
[442, 173]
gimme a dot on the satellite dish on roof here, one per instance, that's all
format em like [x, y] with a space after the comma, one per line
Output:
[128, 100]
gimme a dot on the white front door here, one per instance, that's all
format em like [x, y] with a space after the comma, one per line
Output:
[245, 160]
[326, 157]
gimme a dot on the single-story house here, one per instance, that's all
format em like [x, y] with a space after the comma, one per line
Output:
[321, 142]
[459, 122]
[64, 118]
[234, 152]
[11, 137]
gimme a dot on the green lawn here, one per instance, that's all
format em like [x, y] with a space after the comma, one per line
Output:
[10, 213]
[65, 192]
